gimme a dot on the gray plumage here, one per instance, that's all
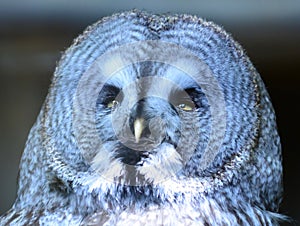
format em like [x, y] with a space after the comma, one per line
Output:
[67, 179]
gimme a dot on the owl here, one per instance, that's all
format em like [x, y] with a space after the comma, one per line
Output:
[152, 120]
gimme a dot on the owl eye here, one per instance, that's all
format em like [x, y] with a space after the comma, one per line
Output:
[110, 97]
[186, 107]
[112, 104]
[183, 99]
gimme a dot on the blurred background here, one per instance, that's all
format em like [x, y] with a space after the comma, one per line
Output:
[33, 35]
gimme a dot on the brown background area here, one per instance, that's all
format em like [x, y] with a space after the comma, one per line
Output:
[33, 35]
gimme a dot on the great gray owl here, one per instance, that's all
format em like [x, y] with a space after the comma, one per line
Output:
[152, 120]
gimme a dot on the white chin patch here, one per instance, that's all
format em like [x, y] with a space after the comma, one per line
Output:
[162, 165]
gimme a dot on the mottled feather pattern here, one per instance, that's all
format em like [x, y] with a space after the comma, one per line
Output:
[242, 185]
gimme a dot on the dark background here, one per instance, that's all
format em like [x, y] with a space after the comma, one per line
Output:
[33, 35]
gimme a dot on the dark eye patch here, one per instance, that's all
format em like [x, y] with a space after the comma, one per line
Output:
[110, 93]
[187, 97]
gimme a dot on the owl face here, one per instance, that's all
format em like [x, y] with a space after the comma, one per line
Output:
[146, 123]
[150, 116]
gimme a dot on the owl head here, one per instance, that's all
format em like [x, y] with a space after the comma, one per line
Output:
[153, 108]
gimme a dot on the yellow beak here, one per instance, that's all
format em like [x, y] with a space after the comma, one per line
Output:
[138, 128]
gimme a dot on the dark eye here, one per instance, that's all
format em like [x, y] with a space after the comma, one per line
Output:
[183, 99]
[110, 96]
